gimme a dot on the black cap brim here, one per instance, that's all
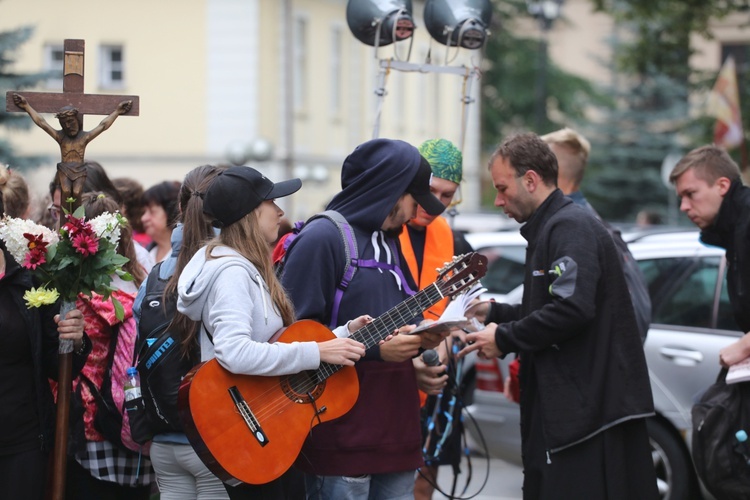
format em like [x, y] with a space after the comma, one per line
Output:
[429, 203]
[284, 188]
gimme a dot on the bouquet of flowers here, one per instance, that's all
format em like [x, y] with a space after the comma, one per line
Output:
[80, 258]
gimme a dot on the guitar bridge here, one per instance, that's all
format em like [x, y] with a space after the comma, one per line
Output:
[248, 416]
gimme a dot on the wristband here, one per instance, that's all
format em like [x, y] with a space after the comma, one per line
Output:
[82, 350]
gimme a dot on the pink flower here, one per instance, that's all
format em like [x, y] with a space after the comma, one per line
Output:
[76, 226]
[34, 259]
[85, 244]
[37, 251]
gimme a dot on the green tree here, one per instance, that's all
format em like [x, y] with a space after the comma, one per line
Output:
[662, 32]
[510, 72]
[630, 143]
[511, 68]
[9, 43]
[651, 117]
[641, 118]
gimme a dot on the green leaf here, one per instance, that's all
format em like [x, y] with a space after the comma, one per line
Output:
[51, 252]
[123, 274]
[119, 310]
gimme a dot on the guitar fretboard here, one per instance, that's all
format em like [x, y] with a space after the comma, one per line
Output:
[385, 324]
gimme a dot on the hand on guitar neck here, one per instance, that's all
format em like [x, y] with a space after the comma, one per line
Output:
[344, 351]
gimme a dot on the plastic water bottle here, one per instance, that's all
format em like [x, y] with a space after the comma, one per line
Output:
[742, 445]
[132, 385]
[140, 427]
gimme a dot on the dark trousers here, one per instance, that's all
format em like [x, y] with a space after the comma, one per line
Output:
[613, 465]
[81, 485]
[290, 486]
[22, 475]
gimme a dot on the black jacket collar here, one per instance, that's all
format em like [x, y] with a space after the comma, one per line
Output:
[721, 232]
[552, 204]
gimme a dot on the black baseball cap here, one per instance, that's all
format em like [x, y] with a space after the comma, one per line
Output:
[237, 191]
[420, 189]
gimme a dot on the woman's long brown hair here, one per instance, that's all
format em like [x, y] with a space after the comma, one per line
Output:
[246, 237]
[196, 231]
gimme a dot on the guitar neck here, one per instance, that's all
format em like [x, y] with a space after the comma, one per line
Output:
[384, 325]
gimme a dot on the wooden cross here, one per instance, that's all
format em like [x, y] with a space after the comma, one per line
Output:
[72, 94]
[71, 105]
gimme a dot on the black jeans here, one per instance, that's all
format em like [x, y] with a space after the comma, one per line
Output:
[23, 475]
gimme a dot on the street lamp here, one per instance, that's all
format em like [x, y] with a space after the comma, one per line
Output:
[545, 11]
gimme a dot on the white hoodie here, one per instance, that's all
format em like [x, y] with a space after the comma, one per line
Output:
[231, 299]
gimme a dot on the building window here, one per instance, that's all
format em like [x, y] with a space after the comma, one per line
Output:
[53, 63]
[112, 67]
[300, 64]
[336, 71]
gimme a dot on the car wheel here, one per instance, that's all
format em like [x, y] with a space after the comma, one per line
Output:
[675, 476]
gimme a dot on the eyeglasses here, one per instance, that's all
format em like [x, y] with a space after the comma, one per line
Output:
[54, 211]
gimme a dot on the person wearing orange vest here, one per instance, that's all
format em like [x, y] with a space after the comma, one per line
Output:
[427, 243]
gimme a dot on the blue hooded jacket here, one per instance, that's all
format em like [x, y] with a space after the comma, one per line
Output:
[381, 434]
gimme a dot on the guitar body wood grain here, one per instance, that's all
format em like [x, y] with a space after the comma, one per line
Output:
[221, 436]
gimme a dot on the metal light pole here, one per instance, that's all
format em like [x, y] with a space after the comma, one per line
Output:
[546, 12]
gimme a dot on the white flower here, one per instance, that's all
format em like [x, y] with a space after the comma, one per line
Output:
[12, 230]
[107, 226]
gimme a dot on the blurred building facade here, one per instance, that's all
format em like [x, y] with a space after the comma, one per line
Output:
[234, 80]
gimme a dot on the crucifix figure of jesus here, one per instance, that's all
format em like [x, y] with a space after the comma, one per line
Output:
[72, 139]
[70, 107]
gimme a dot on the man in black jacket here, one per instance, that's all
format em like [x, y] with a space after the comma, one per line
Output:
[585, 392]
[712, 195]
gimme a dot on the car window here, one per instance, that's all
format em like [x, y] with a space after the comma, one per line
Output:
[682, 289]
[505, 267]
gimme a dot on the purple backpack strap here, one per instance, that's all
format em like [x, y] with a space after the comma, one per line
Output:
[352, 259]
[395, 267]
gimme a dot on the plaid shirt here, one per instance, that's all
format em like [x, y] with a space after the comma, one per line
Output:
[108, 463]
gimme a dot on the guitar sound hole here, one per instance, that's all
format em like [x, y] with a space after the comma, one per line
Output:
[296, 387]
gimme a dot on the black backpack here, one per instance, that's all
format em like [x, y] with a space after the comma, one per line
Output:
[634, 278]
[636, 283]
[721, 461]
[159, 360]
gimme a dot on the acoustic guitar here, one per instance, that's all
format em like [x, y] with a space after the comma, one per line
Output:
[250, 429]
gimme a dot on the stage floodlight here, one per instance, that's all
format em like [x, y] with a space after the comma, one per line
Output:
[380, 22]
[458, 23]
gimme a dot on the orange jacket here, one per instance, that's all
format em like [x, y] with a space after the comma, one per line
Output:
[438, 249]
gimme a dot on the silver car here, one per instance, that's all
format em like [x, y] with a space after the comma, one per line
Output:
[691, 322]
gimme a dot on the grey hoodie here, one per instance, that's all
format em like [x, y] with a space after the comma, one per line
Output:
[231, 299]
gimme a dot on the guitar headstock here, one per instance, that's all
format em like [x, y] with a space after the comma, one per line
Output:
[462, 272]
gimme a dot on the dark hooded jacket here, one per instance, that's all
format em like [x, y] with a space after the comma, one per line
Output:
[44, 341]
[731, 231]
[381, 433]
[583, 364]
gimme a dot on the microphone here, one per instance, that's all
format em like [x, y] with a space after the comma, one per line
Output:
[430, 357]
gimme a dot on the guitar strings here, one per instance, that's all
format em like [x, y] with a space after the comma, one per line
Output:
[432, 294]
[369, 331]
[404, 312]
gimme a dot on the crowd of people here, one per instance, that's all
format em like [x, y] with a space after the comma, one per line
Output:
[584, 387]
